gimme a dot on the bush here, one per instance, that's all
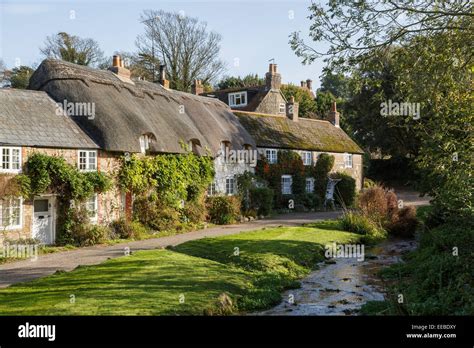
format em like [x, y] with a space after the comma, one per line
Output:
[378, 204]
[361, 224]
[322, 168]
[261, 200]
[405, 224]
[124, 229]
[345, 190]
[368, 183]
[154, 214]
[309, 200]
[223, 210]
[195, 211]
[88, 235]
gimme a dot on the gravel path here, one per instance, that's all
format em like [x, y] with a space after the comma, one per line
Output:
[26, 270]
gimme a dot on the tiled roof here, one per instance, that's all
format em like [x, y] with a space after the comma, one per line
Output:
[306, 134]
[29, 118]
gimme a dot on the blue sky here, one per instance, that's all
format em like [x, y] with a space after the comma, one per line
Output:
[253, 31]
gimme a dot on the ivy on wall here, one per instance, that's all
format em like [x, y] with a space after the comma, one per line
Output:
[51, 174]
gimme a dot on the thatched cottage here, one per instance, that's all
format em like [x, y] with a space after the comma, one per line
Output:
[110, 115]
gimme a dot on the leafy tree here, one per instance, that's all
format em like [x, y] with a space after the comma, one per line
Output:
[324, 100]
[307, 105]
[354, 28]
[335, 83]
[249, 80]
[73, 49]
[430, 54]
[184, 45]
[20, 77]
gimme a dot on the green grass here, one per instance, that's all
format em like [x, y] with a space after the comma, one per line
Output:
[151, 282]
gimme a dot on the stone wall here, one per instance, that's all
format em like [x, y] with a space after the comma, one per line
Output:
[271, 103]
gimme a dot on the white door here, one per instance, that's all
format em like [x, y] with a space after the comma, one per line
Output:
[43, 220]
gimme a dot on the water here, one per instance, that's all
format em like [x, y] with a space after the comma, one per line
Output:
[341, 288]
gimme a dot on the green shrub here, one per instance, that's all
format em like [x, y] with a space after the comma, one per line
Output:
[155, 214]
[124, 229]
[323, 166]
[223, 210]
[261, 200]
[88, 235]
[195, 211]
[368, 183]
[361, 224]
[309, 200]
[345, 191]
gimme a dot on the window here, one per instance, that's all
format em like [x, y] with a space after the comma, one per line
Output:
[309, 185]
[11, 211]
[272, 155]
[87, 160]
[92, 208]
[347, 160]
[286, 181]
[238, 99]
[144, 143]
[229, 186]
[307, 158]
[212, 189]
[282, 108]
[10, 159]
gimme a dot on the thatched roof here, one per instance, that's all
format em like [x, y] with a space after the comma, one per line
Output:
[30, 118]
[125, 111]
[306, 134]
[255, 95]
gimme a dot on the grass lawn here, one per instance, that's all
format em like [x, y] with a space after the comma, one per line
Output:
[252, 268]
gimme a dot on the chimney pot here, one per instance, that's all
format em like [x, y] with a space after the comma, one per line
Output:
[333, 115]
[292, 109]
[163, 81]
[272, 78]
[116, 61]
[309, 84]
[303, 84]
[197, 88]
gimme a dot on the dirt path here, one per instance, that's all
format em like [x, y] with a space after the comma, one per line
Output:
[26, 270]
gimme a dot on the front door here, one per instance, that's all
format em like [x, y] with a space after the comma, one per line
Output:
[43, 220]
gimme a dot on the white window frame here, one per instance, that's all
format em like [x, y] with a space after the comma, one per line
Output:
[238, 95]
[93, 214]
[348, 160]
[282, 109]
[144, 141]
[212, 189]
[10, 162]
[309, 189]
[284, 189]
[305, 156]
[271, 155]
[229, 180]
[88, 167]
[10, 208]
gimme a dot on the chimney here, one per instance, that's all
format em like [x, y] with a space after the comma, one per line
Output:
[163, 81]
[272, 78]
[333, 115]
[292, 109]
[309, 84]
[118, 68]
[303, 84]
[197, 88]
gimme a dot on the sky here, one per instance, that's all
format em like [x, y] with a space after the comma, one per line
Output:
[253, 31]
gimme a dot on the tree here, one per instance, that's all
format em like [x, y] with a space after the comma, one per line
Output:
[20, 77]
[73, 49]
[184, 45]
[307, 105]
[140, 66]
[429, 46]
[355, 28]
[335, 83]
[250, 80]
[324, 100]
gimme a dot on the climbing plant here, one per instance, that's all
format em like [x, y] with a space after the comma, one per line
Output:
[51, 174]
[172, 186]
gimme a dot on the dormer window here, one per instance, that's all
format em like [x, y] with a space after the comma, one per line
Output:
[238, 99]
[194, 145]
[145, 141]
[225, 147]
